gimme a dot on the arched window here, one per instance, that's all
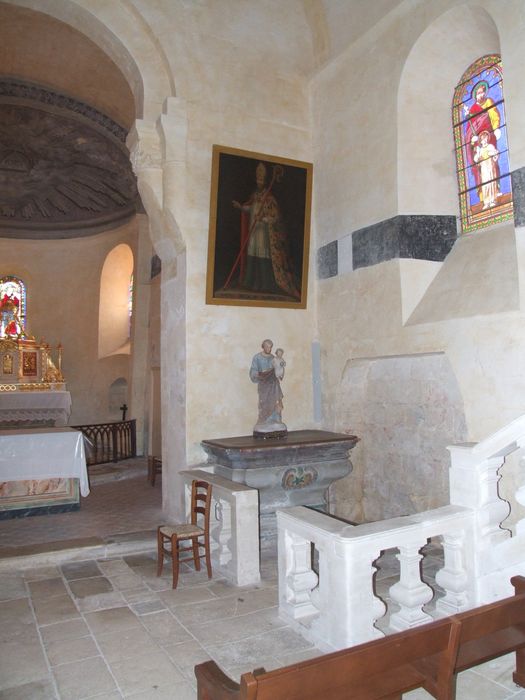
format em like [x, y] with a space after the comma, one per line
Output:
[114, 309]
[12, 307]
[480, 138]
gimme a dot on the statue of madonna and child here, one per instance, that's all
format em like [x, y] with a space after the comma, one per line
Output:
[267, 371]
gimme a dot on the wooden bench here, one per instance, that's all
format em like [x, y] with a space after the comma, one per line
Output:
[429, 656]
[486, 633]
[383, 668]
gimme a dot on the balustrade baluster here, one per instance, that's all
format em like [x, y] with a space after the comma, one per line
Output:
[299, 579]
[410, 592]
[453, 576]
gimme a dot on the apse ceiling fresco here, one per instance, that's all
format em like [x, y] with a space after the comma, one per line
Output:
[64, 166]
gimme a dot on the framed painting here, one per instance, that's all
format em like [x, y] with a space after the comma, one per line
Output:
[259, 233]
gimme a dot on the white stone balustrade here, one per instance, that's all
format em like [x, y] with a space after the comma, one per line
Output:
[343, 610]
[339, 608]
[234, 527]
[474, 476]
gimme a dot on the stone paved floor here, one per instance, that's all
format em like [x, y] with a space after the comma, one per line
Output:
[111, 629]
[115, 505]
[108, 628]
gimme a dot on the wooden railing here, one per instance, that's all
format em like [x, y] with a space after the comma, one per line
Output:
[109, 442]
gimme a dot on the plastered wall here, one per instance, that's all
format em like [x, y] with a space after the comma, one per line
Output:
[389, 153]
[63, 284]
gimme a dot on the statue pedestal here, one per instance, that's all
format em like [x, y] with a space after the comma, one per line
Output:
[293, 470]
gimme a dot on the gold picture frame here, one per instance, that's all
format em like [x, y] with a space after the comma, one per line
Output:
[259, 236]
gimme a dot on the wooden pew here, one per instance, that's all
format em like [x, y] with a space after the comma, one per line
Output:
[486, 632]
[429, 656]
[383, 668]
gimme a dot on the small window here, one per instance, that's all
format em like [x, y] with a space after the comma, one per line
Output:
[12, 307]
[482, 151]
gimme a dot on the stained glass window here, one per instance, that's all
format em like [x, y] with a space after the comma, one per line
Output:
[482, 151]
[12, 307]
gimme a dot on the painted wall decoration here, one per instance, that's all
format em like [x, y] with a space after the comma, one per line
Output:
[482, 151]
[259, 230]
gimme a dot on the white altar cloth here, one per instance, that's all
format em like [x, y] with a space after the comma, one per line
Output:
[35, 405]
[43, 453]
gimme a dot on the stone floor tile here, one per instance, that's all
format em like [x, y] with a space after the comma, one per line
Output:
[141, 594]
[180, 596]
[139, 560]
[12, 587]
[145, 672]
[15, 615]
[224, 608]
[117, 646]
[221, 588]
[40, 572]
[47, 588]
[147, 607]
[57, 609]
[472, 685]
[179, 691]
[112, 620]
[39, 690]
[81, 588]
[249, 651]
[125, 581]
[22, 661]
[500, 670]
[83, 679]
[103, 601]
[296, 657]
[72, 629]
[164, 628]
[186, 656]
[160, 583]
[237, 628]
[80, 569]
[67, 650]
[113, 567]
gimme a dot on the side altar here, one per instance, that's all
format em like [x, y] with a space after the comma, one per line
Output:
[295, 469]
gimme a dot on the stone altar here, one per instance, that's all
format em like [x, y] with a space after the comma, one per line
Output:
[296, 469]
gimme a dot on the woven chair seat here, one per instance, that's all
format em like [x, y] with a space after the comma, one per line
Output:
[184, 530]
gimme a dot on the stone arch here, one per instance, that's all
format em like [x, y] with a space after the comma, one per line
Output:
[119, 30]
[427, 181]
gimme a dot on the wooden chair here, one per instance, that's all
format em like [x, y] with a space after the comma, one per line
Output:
[383, 668]
[154, 468]
[174, 534]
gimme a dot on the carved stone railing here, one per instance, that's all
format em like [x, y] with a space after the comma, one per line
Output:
[327, 567]
[109, 442]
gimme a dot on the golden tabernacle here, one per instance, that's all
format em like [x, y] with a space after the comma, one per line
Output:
[26, 365]
[32, 387]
